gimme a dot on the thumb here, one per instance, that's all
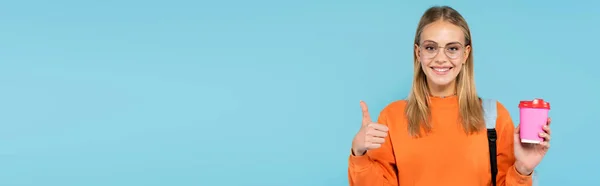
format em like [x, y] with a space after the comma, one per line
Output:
[517, 136]
[365, 113]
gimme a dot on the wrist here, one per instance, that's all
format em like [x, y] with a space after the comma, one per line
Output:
[522, 169]
[356, 152]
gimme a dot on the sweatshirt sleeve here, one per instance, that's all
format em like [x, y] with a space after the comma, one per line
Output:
[377, 166]
[507, 173]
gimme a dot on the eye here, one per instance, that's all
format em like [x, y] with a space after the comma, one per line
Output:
[453, 47]
[430, 48]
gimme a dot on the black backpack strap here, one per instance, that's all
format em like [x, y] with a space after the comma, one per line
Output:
[491, 133]
[489, 109]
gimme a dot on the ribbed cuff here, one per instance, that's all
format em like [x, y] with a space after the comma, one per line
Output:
[359, 163]
[514, 175]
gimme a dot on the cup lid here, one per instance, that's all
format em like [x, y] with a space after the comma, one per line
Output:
[535, 103]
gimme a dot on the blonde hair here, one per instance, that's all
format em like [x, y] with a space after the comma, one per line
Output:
[417, 109]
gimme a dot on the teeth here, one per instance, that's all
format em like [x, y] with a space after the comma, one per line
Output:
[441, 69]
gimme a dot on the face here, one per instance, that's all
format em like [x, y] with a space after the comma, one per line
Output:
[442, 52]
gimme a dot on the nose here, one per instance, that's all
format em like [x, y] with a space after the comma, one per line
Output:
[441, 57]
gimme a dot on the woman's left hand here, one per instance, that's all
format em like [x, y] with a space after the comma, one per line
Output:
[530, 155]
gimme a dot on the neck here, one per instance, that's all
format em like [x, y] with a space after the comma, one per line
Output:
[442, 90]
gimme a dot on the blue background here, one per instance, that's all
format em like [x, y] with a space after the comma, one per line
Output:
[261, 92]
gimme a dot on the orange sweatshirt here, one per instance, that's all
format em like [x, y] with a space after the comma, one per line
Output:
[447, 156]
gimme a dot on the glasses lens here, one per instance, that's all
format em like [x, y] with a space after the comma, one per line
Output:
[454, 50]
[429, 50]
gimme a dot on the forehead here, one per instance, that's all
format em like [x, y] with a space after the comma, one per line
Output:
[442, 32]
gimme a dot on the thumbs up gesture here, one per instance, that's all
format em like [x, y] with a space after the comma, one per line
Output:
[370, 136]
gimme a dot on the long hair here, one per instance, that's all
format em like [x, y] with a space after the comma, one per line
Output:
[417, 109]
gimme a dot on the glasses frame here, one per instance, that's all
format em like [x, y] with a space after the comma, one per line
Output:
[461, 53]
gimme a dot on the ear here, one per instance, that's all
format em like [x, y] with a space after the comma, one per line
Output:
[417, 52]
[467, 53]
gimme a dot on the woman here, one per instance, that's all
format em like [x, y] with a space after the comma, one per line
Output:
[438, 135]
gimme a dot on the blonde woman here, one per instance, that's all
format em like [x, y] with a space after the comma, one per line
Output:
[438, 135]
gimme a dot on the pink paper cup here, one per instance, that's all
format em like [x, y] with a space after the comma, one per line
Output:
[533, 116]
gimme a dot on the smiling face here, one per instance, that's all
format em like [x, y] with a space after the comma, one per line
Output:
[443, 66]
[442, 53]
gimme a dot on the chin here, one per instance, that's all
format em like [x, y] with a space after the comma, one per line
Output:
[441, 82]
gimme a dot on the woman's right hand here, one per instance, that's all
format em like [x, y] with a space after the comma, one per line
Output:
[370, 136]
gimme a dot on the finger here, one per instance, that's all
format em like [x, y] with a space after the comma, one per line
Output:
[518, 129]
[376, 140]
[376, 133]
[374, 146]
[547, 129]
[528, 145]
[549, 121]
[545, 144]
[544, 135]
[379, 127]
[365, 112]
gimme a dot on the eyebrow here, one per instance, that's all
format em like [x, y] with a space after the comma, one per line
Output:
[454, 42]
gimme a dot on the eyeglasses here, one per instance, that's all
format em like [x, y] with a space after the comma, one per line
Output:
[430, 49]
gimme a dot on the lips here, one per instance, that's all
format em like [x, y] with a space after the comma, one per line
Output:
[441, 71]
